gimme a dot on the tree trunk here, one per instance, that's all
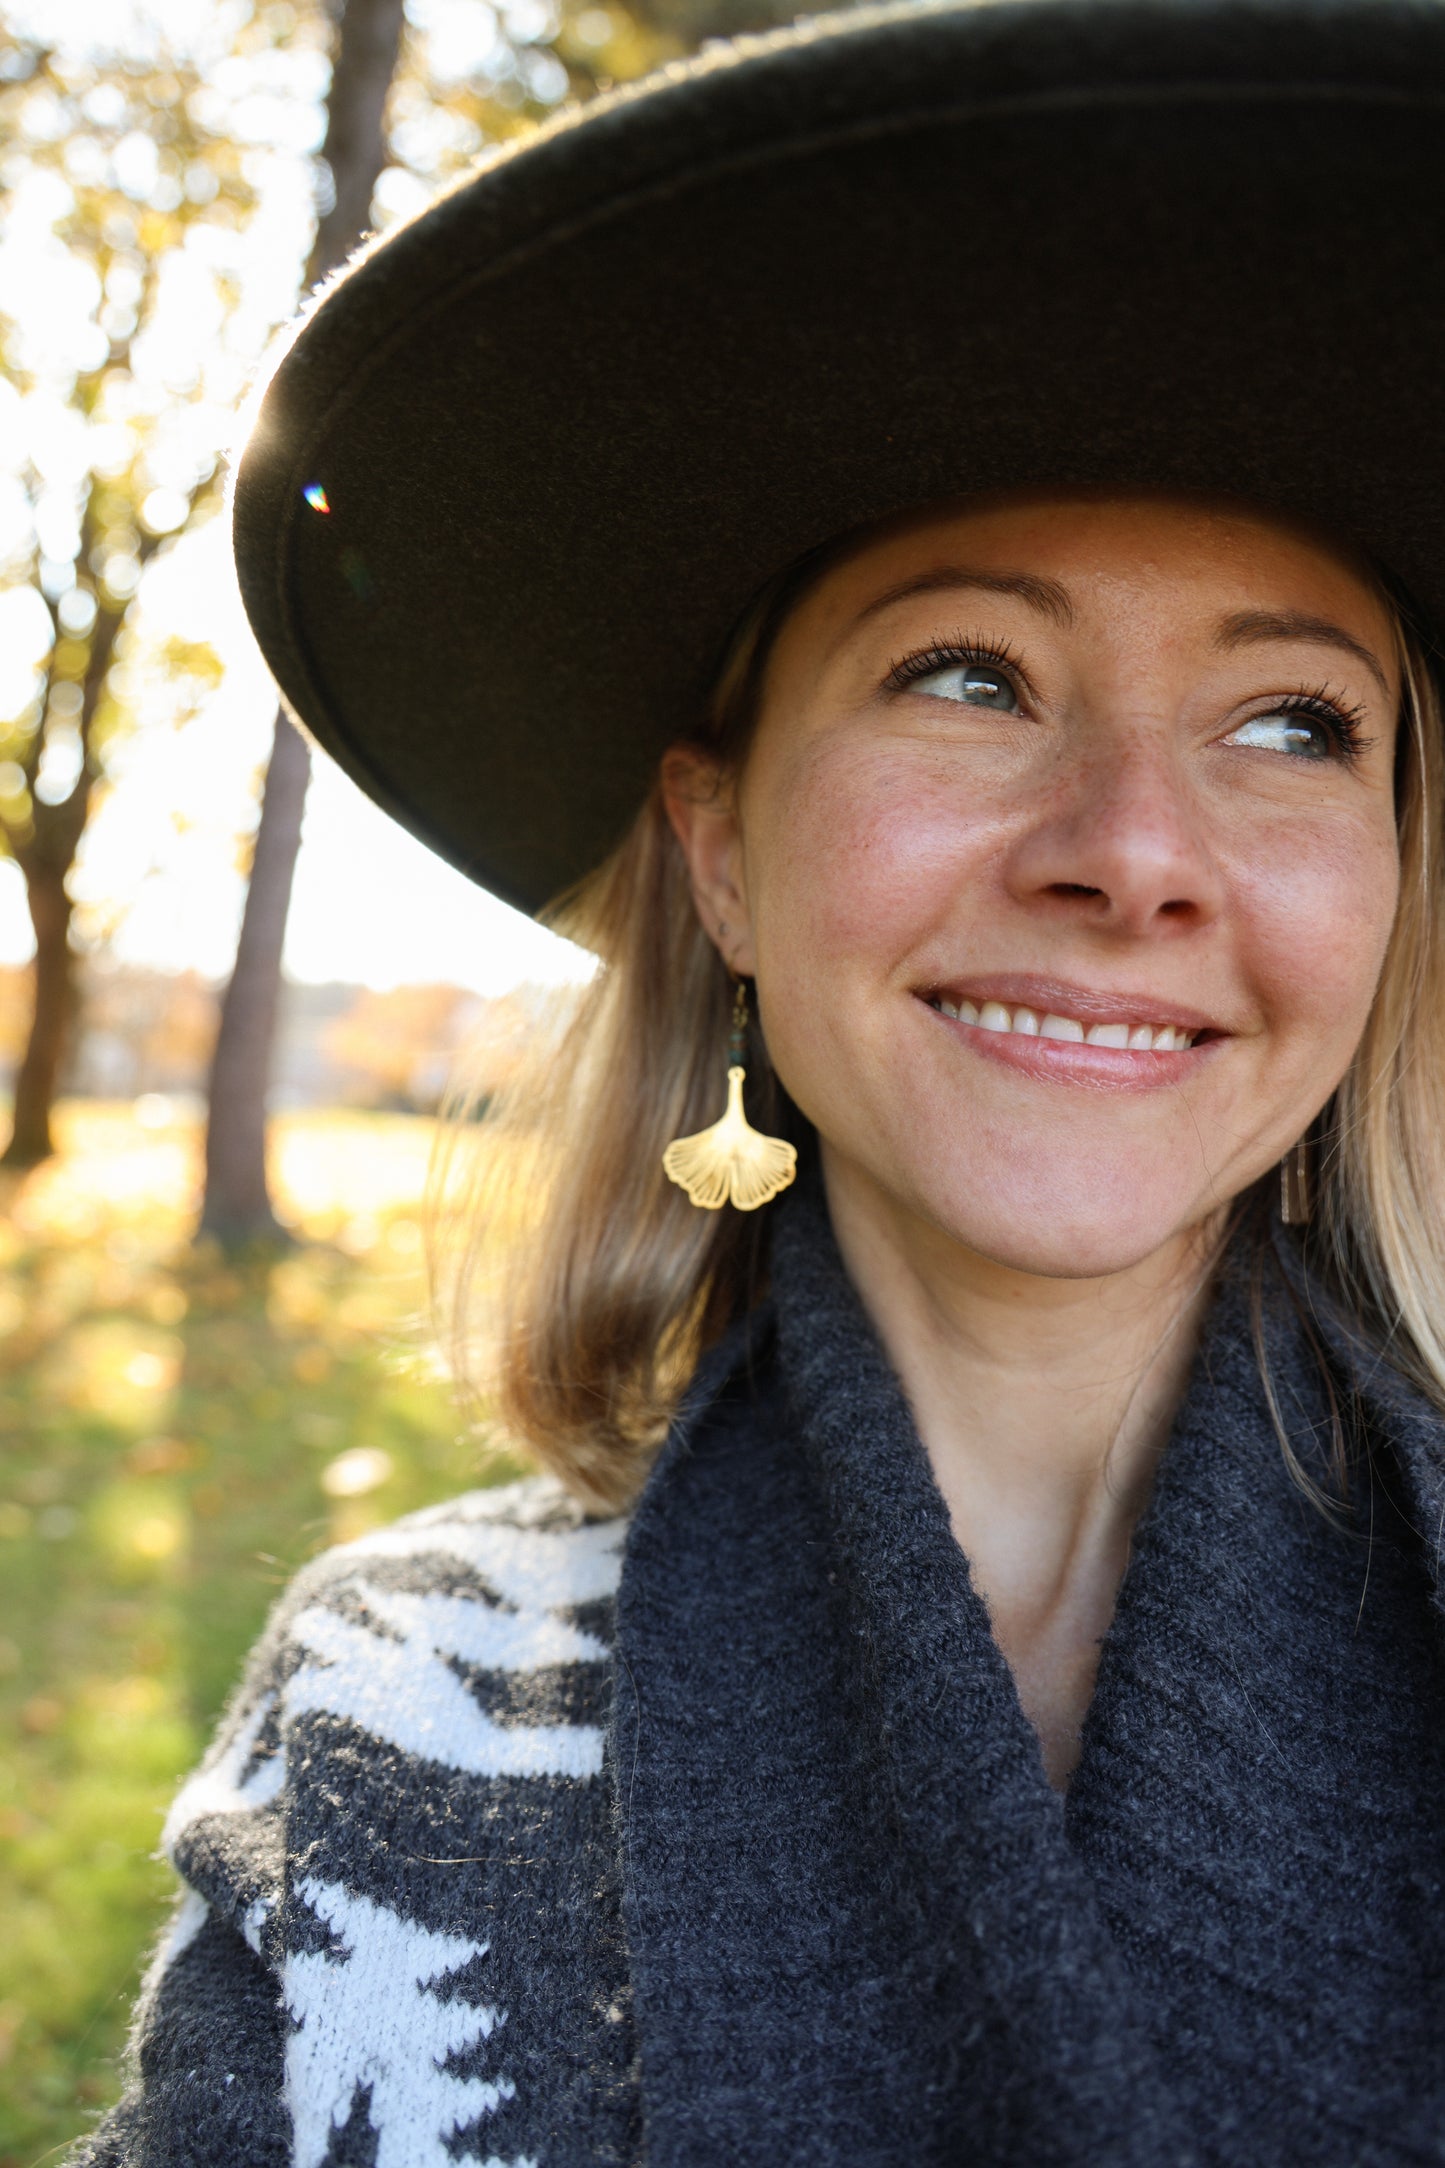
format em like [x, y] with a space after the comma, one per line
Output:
[368, 38]
[45, 858]
[35, 1081]
[237, 1206]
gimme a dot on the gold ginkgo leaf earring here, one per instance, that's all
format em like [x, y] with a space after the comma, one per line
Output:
[732, 1162]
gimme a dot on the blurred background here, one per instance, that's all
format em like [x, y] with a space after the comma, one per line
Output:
[231, 994]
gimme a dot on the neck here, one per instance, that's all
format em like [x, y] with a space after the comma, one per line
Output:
[1043, 1405]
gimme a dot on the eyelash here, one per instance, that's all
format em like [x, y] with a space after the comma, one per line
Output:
[1343, 722]
[972, 654]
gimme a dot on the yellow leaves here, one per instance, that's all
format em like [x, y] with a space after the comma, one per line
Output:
[191, 663]
[163, 1456]
[15, 802]
[152, 1372]
[166, 1305]
[614, 41]
[157, 1536]
[143, 1526]
[157, 231]
[110, 1171]
[115, 1369]
[70, 658]
[299, 1293]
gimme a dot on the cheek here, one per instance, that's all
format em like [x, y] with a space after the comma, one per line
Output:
[866, 853]
[859, 856]
[1315, 916]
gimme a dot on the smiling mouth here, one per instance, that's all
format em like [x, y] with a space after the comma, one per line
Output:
[1135, 1036]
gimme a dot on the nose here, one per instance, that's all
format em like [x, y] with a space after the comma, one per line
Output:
[1118, 843]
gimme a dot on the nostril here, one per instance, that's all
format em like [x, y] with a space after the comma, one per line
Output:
[1075, 888]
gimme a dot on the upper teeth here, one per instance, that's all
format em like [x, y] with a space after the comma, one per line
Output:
[993, 1016]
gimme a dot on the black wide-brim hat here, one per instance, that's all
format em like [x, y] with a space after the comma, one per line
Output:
[522, 469]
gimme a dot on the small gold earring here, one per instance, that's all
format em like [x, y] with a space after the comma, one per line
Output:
[1296, 1185]
[732, 1161]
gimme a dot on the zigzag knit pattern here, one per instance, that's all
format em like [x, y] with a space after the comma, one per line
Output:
[397, 1941]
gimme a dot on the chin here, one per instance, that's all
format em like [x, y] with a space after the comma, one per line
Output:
[1064, 1229]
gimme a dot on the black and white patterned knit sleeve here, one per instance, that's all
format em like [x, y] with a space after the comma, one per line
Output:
[398, 1942]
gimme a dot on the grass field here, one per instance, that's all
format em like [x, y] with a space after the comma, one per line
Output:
[178, 1435]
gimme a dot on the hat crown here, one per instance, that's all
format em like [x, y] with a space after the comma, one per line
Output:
[568, 419]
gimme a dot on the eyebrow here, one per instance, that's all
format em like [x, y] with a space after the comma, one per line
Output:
[1045, 596]
[1246, 627]
[1241, 629]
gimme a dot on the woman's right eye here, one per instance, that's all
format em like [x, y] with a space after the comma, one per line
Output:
[979, 685]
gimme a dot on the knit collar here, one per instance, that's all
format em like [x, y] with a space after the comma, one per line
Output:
[969, 1783]
[799, 1633]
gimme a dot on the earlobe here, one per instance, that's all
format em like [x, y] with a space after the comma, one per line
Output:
[702, 810]
[731, 937]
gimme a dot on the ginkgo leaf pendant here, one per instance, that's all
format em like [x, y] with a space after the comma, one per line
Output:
[732, 1162]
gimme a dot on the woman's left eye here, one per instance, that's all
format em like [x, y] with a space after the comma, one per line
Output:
[1308, 737]
[980, 685]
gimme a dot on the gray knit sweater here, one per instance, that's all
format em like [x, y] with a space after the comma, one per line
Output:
[720, 1836]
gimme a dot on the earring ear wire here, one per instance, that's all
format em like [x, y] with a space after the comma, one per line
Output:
[731, 1162]
[1296, 1185]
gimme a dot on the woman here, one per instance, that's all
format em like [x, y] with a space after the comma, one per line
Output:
[982, 1698]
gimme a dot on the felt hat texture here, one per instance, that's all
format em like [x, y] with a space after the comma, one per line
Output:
[514, 480]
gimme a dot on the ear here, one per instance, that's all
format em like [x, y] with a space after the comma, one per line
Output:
[701, 804]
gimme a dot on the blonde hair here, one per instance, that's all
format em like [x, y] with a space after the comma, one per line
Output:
[1380, 1220]
[576, 1286]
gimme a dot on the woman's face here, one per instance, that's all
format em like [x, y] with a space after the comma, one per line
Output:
[1064, 858]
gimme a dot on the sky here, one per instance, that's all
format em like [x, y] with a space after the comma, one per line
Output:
[160, 875]
[159, 872]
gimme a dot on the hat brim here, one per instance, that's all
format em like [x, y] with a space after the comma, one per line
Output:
[568, 420]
